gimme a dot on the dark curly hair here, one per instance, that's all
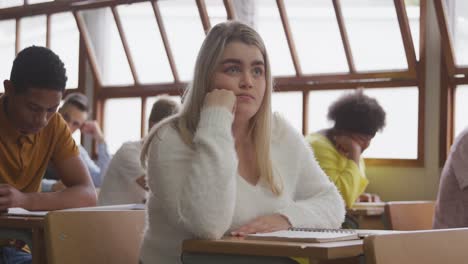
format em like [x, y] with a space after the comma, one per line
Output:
[38, 67]
[358, 113]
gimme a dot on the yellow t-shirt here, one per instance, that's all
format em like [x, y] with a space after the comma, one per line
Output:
[24, 158]
[349, 178]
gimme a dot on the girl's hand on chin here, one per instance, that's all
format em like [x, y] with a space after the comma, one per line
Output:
[221, 97]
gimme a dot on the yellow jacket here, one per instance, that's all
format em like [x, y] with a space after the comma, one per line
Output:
[349, 178]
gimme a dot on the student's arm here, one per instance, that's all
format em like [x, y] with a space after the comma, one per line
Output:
[315, 200]
[196, 189]
[80, 191]
[347, 178]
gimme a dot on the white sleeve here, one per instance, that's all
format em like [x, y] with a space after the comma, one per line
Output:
[196, 188]
[316, 201]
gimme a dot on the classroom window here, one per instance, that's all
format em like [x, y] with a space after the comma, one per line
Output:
[32, 31]
[185, 33]
[289, 106]
[7, 49]
[121, 121]
[216, 11]
[461, 108]
[10, 3]
[271, 30]
[317, 36]
[374, 35]
[459, 30]
[398, 140]
[145, 43]
[65, 42]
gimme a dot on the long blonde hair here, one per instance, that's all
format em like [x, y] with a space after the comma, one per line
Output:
[208, 60]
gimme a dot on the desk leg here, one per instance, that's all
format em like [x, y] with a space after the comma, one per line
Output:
[38, 249]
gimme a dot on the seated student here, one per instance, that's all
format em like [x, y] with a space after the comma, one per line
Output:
[75, 112]
[121, 183]
[225, 163]
[357, 117]
[451, 209]
[32, 134]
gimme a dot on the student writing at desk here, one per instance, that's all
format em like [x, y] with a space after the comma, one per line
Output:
[357, 118]
[226, 164]
[32, 134]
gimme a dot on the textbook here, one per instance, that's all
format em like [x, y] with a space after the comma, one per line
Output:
[309, 235]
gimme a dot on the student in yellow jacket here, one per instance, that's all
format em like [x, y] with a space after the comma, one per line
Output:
[357, 117]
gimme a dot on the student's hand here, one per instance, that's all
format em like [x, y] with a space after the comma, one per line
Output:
[369, 197]
[58, 186]
[221, 97]
[141, 181]
[92, 128]
[11, 197]
[349, 147]
[263, 224]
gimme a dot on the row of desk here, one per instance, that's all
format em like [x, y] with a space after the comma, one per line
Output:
[34, 225]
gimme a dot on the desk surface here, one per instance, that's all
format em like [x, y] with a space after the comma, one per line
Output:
[22, 222]
[237, 245]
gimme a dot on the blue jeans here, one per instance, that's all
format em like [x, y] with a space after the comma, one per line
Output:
[10, 255]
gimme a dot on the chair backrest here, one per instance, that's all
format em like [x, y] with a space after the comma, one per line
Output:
[410, 215]
[446, 246]
[94, 236]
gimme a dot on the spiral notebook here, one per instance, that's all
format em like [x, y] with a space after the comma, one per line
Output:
[309, 235]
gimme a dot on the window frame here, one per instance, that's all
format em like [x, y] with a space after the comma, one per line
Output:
[414, 75]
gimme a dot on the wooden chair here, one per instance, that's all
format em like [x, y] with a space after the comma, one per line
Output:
[410, 215]
[446, 246]
[94, 236]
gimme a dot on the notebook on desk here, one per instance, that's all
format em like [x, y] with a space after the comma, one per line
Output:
[309, 235]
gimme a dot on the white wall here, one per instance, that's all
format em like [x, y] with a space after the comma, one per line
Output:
[393, 183]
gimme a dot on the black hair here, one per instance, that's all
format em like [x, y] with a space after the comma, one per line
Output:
[358, 113]
[38, 67]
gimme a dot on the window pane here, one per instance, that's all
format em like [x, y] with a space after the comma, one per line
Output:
[271, 30]
[7, 49]
[121, 121]
[399, 139]
[149, 104]
[10, 3]
[32, 31]
[216, 11]
[31, 2]
[144, 40]
[413, 12]
[461, 108]
[185, 33]
[77, 137]
[108, 47]
[374, 35]
[460, 32]
[289, 105]
[317, 36]
[65, 41]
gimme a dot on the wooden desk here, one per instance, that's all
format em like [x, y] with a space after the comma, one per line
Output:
[32, 226]
[240, 246]
[368, 215]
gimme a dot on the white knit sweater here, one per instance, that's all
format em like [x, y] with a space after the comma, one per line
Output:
[197, 193]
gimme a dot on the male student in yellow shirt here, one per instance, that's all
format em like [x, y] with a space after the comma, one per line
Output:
[32, 134]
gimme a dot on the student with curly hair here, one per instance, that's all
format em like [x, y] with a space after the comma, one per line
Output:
[357, 117]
